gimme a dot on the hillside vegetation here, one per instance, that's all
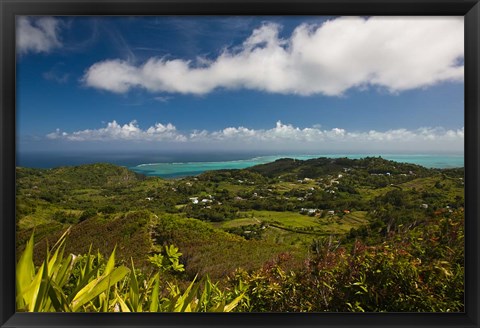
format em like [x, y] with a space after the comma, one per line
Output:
[316, 235]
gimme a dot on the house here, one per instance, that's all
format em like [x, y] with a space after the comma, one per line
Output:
[331, 212]
[308, 210]
[194, 200]
[424, 206]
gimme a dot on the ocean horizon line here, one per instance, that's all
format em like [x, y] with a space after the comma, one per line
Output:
[178, 163]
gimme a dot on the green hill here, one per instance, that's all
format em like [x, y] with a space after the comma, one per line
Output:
[229, 219]
[129, 232]
[82, 176]
[214, 251]
[287, 231]
[319, 167]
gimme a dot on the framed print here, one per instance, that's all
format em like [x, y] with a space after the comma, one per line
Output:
[253, 163]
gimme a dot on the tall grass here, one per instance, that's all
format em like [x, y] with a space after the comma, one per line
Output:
[90, 283]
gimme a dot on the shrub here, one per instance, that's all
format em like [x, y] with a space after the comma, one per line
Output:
[414, 270]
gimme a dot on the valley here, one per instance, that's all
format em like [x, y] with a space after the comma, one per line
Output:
[224, 222]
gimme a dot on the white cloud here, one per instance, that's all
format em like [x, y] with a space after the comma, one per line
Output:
[114, 131]
[282, 136]
[37, 34]
[288, 133]
[396, 53]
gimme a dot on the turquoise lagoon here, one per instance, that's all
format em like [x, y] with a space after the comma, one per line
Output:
[182, 169]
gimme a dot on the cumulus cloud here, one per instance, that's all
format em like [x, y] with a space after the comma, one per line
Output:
[114, 131]
[281, 136]
[396, 53]
[288, 133]
[37, 34]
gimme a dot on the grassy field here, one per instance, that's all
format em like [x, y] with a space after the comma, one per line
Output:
[235, 188]
[449, 187]
[289, 228]
[43, 215]
[283, 187]
[298, 221]
[369, 193]
[236, 223]
[284, 219]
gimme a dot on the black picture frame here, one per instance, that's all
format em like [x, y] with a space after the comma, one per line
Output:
[10, 8]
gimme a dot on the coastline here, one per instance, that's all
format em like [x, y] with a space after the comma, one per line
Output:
[182, 169]
[178, 164]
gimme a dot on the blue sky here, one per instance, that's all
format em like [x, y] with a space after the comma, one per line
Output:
[249, 83]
